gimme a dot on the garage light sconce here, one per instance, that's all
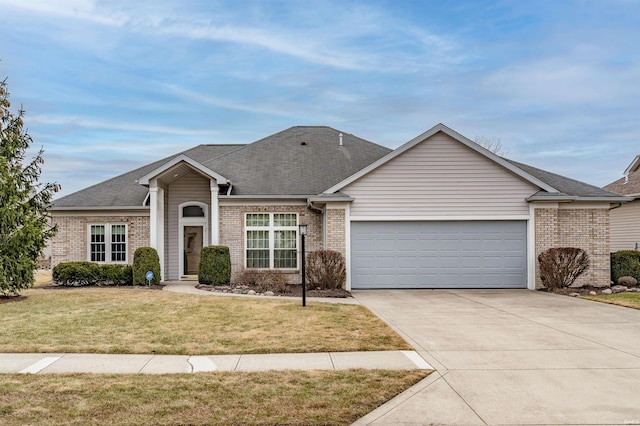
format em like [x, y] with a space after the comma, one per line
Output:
[303, 232]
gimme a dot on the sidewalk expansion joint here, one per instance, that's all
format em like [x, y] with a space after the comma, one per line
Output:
[40, 365]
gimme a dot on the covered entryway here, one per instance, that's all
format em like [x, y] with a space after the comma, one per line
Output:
[439, 254]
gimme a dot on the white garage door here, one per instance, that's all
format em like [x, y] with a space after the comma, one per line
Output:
[446, 254]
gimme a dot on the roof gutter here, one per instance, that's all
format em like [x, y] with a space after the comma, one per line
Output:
[575, 198]
[95, 208]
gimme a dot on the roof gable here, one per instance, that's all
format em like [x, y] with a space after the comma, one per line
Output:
[457, 137]
[175, 162]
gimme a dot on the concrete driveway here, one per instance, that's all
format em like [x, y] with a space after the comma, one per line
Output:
[513, 357]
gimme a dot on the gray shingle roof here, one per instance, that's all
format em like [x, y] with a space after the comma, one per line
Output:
[630, 186]
[123, 190]
[299, 161]
[565, 185]
[302, 160]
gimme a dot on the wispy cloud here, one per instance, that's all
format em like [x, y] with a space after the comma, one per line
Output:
[79, 121]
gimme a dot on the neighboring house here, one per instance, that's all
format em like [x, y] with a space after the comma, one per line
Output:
[440, 211]
[625, 219]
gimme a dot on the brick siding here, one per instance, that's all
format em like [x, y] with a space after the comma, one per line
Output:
[587, 229]
[70, 243]
[232, 232]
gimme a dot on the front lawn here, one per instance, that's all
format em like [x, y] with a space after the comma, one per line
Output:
[262, 398]
[630, 300]
[138, 320]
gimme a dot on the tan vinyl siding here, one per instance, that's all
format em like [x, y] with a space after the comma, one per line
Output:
[439, 177]
[191, 187]
[625, 226]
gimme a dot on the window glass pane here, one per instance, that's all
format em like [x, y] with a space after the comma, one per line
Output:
[97, 247]
[285, 259]
[192, 211]
[257, 258]
[284, 219]
[257, 239]
[118, 243]
[285, 239]
[258, 219]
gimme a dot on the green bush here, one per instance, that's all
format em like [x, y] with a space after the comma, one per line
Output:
[625, 263]
[325, 269]
[76, 273]
[215, 265]
[145, 259]
[116, 274]
[89, 273]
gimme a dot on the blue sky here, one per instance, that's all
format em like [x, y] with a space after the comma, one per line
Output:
[111, 85]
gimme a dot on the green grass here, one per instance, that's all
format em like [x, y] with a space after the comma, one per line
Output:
[629, 300]
[260, 398]
[137, 320]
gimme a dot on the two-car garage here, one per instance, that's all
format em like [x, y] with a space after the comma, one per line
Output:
[439, 254]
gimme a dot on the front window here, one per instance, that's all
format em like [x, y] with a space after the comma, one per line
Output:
[271, 240]
[108, 243]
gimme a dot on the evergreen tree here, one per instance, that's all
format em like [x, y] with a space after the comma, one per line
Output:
[24, 221]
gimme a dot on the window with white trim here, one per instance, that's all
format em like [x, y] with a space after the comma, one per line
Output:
[271, 240]
[107, 243]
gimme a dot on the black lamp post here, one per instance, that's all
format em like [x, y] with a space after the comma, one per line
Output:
[303, 232]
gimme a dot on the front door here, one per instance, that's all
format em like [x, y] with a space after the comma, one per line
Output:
[192, 248]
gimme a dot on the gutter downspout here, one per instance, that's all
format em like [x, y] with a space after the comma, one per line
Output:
[616, 207]
[311, 207]
[230, 188]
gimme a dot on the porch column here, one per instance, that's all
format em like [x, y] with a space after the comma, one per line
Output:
[215, 223]
[156, 225]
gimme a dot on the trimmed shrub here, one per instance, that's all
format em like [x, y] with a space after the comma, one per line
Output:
[116, 274]
[625, 263]
[561, 266]
[145, 259]
[325, 269]
[89, 273]
[215, 265]
[76, 273]
[266, 280]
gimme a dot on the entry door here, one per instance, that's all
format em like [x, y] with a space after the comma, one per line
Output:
[192, 248]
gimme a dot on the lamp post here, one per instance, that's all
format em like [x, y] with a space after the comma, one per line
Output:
[303, 232]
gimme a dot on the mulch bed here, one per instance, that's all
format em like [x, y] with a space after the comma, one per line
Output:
[582, 291]
[9, 299]
[71, 287]
[294, 290]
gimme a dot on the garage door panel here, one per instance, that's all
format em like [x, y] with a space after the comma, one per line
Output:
[447, 254]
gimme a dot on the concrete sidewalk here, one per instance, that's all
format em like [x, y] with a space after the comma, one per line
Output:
[168, 364]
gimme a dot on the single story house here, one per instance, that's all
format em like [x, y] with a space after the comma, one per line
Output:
[440, 211]
[625, 218]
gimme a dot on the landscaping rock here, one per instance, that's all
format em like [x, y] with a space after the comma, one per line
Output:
[618, 288]
[592, 293]
[628, 281]
[632, 289]
[268, 293]
[574, 294]
[607, 291]
[251, 293]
